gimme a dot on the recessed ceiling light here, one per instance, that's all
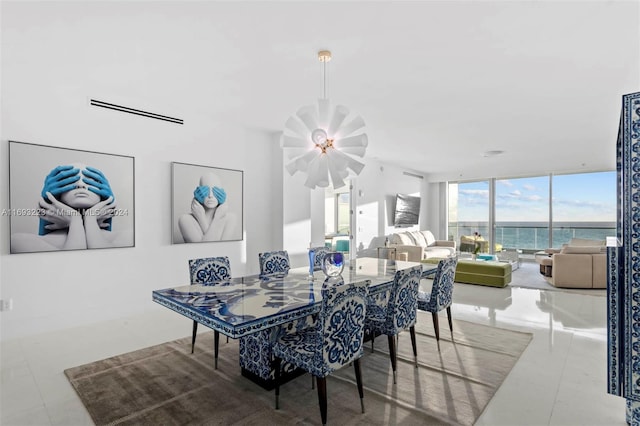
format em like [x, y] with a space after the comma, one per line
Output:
[492, 153]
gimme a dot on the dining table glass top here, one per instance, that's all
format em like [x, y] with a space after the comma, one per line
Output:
[244, 305]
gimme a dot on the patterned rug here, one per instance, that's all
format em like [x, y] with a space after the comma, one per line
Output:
[166, 384]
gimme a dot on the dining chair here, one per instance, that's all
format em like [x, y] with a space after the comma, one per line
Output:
[395, 311]
[334, 341]
[441, 294]
[204, 271]
[320, 253]
[274, 262]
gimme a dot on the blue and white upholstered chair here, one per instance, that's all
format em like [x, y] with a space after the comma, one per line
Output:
[320, 253]
[334, 341]
[397, 311]
[204, 271]
[441, 294]
[274, 262]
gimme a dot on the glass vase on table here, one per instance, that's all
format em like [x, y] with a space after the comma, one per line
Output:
[333, 264]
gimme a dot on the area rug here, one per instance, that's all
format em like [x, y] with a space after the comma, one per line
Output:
[166, 384]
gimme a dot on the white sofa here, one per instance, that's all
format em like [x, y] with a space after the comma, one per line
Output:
[420, 245]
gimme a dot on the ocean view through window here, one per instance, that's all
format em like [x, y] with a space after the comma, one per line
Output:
[583, 206]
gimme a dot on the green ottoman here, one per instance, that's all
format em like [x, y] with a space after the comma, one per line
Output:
[494, 274]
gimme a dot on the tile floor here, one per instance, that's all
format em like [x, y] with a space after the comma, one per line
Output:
[559, 380]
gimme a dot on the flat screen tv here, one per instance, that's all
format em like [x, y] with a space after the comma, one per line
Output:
[407, 210]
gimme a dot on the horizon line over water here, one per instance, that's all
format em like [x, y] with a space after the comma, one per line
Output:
[530, 235]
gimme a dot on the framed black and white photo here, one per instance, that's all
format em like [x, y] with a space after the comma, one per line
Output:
[69, 199]
[207, 204]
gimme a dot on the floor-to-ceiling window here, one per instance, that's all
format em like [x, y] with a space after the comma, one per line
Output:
[468, 209]
[337, 225]
[583, 206]
[522, 211]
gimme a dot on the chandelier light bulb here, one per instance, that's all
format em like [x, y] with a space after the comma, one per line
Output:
[319, 136]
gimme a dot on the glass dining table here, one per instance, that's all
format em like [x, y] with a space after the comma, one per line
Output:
[251, 307]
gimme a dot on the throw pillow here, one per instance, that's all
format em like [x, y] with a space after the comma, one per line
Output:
[405, 239]
[429, 238]
[395, 239]
[419, 238]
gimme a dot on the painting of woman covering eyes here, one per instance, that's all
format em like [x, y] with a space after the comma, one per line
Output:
[74, 205]
[207, 204]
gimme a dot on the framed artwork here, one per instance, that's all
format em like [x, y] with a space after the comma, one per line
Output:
[69, 199]
[207, 204]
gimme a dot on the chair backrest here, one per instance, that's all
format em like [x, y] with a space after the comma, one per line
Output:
[403, 299]
[209, 269]
[340, 324]
[274, 262]
[320, 253]
[442, 290]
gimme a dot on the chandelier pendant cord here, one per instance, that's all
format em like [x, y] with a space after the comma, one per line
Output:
[324, 79]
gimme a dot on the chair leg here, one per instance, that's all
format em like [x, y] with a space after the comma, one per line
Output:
[193, 336]
[412, 330]
[276, 369]
[392, 354]
[373, 337]
[322, 398]
[356, 367]
[216, 344]
[436, 327]
[450, 321]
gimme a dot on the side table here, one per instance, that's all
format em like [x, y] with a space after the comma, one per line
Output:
[387, 253]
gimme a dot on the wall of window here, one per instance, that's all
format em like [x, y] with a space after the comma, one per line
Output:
[522, 213]
[468, 209]
[337, 219]
[536, 212]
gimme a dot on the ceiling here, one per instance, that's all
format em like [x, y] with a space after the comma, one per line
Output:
[438, 83]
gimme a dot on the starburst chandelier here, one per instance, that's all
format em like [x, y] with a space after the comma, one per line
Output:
[320, 141]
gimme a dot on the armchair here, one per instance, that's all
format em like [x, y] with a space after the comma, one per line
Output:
[468, 244]
[582, 263]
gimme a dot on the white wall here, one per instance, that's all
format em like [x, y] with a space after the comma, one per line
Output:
[44, 101]
[377, 186]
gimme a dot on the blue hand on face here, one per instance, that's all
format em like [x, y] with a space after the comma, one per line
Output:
[220, 194]
[59, 180]
[200, 193]
[97, 182]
